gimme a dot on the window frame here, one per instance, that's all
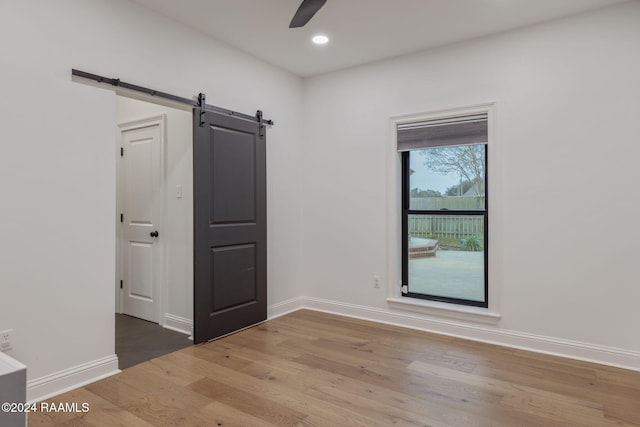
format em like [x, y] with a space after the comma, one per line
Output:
[407, 211]
[427, 313]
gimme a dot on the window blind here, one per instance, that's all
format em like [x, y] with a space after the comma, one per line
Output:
[449, 132]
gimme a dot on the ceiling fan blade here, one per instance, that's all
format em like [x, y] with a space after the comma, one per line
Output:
[305, 12]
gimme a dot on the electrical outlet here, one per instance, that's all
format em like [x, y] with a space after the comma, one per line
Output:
[5, 339]
[376, 282]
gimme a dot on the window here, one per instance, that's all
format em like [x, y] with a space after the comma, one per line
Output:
[444, 209]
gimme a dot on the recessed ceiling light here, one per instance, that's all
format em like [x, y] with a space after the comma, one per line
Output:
[320, 39]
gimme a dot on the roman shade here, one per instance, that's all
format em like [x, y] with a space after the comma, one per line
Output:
[449, 132]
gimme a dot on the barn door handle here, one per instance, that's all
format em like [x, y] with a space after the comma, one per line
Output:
[154, 234]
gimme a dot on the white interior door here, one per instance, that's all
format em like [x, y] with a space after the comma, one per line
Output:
[141, 186]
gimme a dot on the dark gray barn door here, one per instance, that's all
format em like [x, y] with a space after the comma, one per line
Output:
[230, 252]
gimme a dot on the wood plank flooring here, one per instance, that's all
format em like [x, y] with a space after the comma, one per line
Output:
[315, 369]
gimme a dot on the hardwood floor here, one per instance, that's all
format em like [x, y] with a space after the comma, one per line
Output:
[314, 369]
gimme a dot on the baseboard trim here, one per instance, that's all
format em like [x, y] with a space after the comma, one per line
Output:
[603, 355]
[284, 307]
[62, 381]
[178, 324]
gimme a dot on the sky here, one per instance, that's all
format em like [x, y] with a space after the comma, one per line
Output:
[425, 179]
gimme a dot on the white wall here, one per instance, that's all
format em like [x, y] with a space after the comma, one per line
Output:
[177, 226]
[57, 168]
[568, 97]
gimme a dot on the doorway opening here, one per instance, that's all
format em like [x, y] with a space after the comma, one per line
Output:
[217, 169]
[154, 223]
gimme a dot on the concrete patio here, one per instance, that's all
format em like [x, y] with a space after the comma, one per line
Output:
[453, 274]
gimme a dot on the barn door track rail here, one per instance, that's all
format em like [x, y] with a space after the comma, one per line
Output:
[199, 103]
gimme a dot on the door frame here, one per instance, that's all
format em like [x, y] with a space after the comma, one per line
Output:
[160, 121]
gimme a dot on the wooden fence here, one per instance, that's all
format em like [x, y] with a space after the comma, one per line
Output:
[436, 203]
[448, 228]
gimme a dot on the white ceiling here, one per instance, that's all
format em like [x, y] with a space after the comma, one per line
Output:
[361, 31]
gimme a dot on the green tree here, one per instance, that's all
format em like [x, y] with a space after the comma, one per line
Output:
[417, 192]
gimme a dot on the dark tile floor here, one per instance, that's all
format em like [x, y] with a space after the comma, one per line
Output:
[138, 340]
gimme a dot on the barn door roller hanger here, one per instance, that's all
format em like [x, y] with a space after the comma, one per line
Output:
[199, 103]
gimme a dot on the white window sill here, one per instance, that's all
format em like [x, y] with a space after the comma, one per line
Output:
[442, 309]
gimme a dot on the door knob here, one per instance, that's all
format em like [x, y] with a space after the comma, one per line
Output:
[154, 234]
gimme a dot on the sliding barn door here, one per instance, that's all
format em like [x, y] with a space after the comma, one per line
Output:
[230, 238]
